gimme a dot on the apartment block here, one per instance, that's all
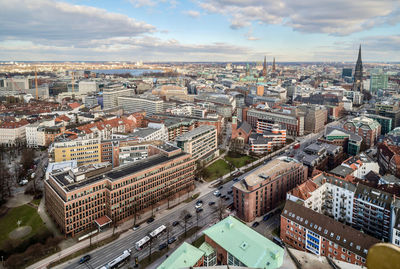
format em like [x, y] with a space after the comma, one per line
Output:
[268, 140]
[13, 132]
[97, 194]
[150, 104]
[84, 151]
[307, 230]
[315, 118]
[350, 142]
[367, 128]
[200, 142]
[389, 158]
[266, 187]
[111, 94]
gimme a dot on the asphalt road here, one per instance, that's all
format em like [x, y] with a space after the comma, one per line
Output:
[100, 257]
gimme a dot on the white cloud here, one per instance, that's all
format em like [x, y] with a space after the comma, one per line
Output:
[336, 17]
[58, 23]
[192, 13]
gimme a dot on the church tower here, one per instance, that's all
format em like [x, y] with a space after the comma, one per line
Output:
[264, 72]
[358, 74]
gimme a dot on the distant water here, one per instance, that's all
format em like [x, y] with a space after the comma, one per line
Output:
[133, 72]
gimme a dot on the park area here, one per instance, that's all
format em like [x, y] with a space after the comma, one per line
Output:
[239, 160]
[216, 170]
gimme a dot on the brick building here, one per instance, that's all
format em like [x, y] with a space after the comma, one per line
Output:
[78, 198]
[265, 188]
[315, 118]
[307, 230]
[367, 128]
[389, 158]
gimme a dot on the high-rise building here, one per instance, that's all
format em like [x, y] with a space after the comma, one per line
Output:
[273, 66]
[347, 72]
[358, 74]
[264, 72]
[379, 80]
[150, 104]
[111, 94]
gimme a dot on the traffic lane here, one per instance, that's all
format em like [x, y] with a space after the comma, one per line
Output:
[112, 250]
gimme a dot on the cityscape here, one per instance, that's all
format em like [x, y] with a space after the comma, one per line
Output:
[194, 134]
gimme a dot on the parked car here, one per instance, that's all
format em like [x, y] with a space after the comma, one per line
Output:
[198, 210]
[217, 192]
[23, 182]
[230, 192]
[84, 259]
[220, 187]
[162, 246]
[198, 205]
[227, 198]
[188, 216]
[223, 196]
[175, 223]
[266, 217]
[171, 240]
[199, 202]
[236, 179]
[136, 227]
[211, 203]
[278, 241]
[150, 220]
[255, 224]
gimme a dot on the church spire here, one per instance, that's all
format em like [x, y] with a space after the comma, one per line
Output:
[264, 72]
[273, 66]
[358, 74]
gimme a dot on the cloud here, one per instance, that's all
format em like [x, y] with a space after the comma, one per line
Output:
[249, 35]
[58, 23]
[335, 17]
[152, 3]
[192, 13]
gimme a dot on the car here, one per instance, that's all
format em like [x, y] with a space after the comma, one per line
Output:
[230, 192]
[188, 216]
[84, 259]
[278, 241]
[236, 179]
[218, 195]
[136, 227]
[171, 240]
[162, 246]
[227, 198]
[197, 206]
[255, 224]
[175, 223]
[23, 182]
[220, 187]
[216, 192]
[211, 203]
[266, 217]
[150, 220]
[199, 202]
[198, 210]
[223, 196]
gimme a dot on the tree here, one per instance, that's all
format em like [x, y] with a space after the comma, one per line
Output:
[5, 182]
[27, 159]
[185, 219]
[221, 209]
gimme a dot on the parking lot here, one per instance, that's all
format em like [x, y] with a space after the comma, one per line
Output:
[267, 227]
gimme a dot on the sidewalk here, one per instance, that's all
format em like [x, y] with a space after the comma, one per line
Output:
[124, 227]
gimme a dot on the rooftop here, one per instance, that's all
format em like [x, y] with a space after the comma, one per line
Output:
[184, 256]
[195, 132]
[327, 227]
[342, 171]
[248, 246]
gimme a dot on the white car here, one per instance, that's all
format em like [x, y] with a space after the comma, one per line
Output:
[23, 182]
[216, 192]
[198, 205]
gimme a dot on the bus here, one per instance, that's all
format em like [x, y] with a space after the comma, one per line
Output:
[142, 243]
[158, 231]
[119, 261]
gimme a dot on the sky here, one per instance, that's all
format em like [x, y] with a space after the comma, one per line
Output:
[199, 30]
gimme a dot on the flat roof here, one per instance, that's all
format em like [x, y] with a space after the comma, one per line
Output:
[184, 256]
[248, 246]
[195, 132]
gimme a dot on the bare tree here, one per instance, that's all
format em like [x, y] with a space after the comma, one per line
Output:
[221, 208]
[184, 216]
[5, 182]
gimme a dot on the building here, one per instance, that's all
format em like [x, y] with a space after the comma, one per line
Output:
[13, 132]
[35, 133]
[265, 188]
[307, 230]
[268, 140]
[365, 127]
[263, 120]
[184, 256]
[150, 104]
[372, 212]
[361, 165]
[358, 74]
[111, 94]
[96, 194]
[240, 134]
[389, 158]
[236, 244]
[201, 142]
[83, 150]
[86, 86]
[388, 109]
[350, 142]
[378, 80]
[385, 122]
[315, 118]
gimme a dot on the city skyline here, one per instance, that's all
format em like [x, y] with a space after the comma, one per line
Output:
[207, 31]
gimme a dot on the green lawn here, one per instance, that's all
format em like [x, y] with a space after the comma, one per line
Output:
[28, 217]
[36, 202]
[239, 160]
[216, 170]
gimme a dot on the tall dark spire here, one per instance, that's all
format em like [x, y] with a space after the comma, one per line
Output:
[264, 73]
[358, 74]
[273, 66]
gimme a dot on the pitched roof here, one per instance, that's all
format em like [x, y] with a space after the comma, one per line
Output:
[184, 256]
[248, 246]
[329, 228]
[245, 126]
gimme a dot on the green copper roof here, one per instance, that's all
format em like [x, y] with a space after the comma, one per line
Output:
[184, 256]
[206, 248]
[248, 246]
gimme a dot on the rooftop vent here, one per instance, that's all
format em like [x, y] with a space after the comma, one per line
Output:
[244, 245]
